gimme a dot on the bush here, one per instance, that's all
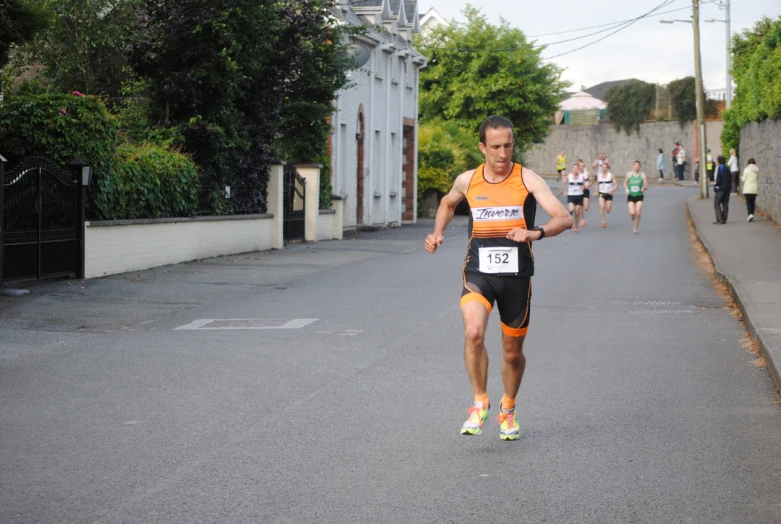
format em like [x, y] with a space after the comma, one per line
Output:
[128, 181]
[628, 105]
[148, 181]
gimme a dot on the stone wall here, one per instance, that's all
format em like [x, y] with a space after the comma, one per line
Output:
[762, 141]
[621, 149]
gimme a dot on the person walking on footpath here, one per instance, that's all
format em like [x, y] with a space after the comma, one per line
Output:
[660, 164]
[709, 167]
[503, 198]
[606, 183]
[574, 193]
[734, 170]
[635, 184]
[751, 187]
[721, 190]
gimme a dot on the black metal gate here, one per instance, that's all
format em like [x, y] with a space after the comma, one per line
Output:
[295, 199]
[42, 223]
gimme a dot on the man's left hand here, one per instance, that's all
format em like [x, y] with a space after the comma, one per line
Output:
[518, 234]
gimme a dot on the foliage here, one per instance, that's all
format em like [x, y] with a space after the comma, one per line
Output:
[629, 104]
[684, 100]
[127, 180]
[20, 21]
[148, 181]
[445, 151]
[756, 68]
[476, 69]
[87, 45]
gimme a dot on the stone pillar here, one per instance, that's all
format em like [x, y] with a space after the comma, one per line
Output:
[311, 173]
[276, 204]
[338, 205]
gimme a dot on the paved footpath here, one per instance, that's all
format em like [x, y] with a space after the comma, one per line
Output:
[747, 258]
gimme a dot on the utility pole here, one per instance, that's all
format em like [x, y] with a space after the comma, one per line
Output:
[699, 97]
[729, 59]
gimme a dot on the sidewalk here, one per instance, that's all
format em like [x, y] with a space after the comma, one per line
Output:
[746, 258]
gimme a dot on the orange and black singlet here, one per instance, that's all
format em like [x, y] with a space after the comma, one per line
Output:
[495, 209]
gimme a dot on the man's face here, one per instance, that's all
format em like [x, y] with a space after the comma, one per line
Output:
[575, 169]
[498, 149]
[602, 156]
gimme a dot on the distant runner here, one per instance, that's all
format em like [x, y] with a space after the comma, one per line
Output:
[586, 191]
[635, 184]
[607, 186]
[574, 192]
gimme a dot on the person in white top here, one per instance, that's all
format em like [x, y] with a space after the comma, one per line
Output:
[574, 192]
[680, 159]
[732, 164]
[586, 191]
[606, 184]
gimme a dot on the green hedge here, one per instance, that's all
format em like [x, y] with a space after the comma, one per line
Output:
[148, 181]
[129, 181]
[756, 69]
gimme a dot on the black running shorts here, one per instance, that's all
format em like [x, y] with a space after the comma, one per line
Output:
[512, 296]
[638, 198]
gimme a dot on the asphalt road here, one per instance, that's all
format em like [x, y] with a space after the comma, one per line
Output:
[325, 383]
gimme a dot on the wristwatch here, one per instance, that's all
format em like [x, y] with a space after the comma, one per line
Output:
[542, 231]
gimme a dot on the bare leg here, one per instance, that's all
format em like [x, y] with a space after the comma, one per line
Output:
[602, 209]
[513, 365]
[475, 356]
[608, 206]
[637, 215]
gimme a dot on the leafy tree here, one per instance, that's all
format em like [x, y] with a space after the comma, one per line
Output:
[628, 105]
[684, 100]
[756, 68]
[476, 69]
[445, 151]
[20, 21]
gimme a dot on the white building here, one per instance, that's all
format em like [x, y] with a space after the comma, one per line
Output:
[375, 125]
[431, 19]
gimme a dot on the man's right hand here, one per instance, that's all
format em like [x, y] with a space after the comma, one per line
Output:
[433, 242]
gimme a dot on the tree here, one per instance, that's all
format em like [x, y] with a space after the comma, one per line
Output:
[476, 69]
[756, 68]
[628, 105]
[684, 100]
[20, 22]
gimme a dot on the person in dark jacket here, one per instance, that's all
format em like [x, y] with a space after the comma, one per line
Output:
[721, 188]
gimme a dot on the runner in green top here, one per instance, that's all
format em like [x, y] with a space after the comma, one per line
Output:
[635, 184]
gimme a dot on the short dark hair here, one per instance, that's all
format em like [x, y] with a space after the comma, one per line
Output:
[721, 159]
[660, 150]
[677, 143]
[494, 122]
[636, 162]
[752, 161]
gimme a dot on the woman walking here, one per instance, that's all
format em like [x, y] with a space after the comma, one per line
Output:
[734, 171]
[751, 186]
[635, 184]
[607, 186]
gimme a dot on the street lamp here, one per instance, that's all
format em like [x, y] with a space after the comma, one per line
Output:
[698, 91]
[728, 95]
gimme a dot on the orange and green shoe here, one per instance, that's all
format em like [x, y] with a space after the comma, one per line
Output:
[508, 424]
[477, 417]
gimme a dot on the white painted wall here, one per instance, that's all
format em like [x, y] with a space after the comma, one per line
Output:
[121, 246]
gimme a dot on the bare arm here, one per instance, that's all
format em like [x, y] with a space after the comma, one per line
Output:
[560, 218]
[626, 182]
[645, 183]
[446, 210]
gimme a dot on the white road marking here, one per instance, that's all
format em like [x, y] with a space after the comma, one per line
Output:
[246, 323]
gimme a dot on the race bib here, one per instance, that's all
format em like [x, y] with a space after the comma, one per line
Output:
[634, 189]
[498, 259]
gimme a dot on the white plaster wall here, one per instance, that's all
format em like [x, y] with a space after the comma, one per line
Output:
[112, 249]
[325, 225]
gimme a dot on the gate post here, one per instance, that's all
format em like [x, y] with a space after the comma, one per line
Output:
[2, 215]
[276, 204]
[82, 176]
[311, 173]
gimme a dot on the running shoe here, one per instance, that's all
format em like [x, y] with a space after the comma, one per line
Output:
[631, 217]
[508, 424]
[477, 417]
[575, 229]
[582, 223]
[604, 224]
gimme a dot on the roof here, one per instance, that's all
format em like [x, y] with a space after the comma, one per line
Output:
[582, 100]
[366, 3]
[599, 91]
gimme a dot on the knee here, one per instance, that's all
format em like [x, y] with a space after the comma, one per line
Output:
[513, 355]
[474, 334]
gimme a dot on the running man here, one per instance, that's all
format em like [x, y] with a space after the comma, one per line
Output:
[635, 184]
[503, 198]
[597, 165]
[586, 191]
[561, 167]
[574, 191]
[606, 183]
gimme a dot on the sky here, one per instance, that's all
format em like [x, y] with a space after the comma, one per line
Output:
[647, 50]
